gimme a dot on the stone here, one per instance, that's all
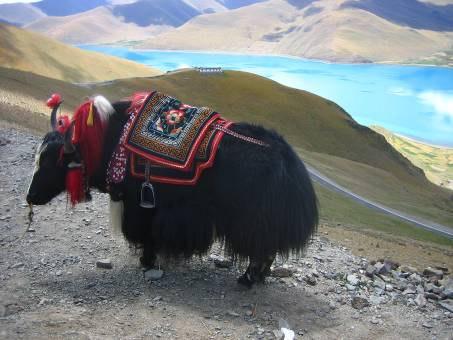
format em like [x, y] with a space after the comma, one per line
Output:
[408, 269]
[154, 274]
[427, 325]
[17, 265]
[232, 313]
[429, 271]
[376, 300]
[432, 296]
[278, 334]
[349, 287]
[420, 300]
[282, 272]
[409, 290]
[400, 285]
[447, 288]
[359, 302]
[370, 270]
[104, 264]
[310, 280]
[379, 283]
[415, 278]
[447, 304]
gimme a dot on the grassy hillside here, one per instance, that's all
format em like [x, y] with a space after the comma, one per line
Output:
[325, 136]
[27, 51]
[436, 162]
[331, 29]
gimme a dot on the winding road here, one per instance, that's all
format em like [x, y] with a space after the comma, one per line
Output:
[431, 226]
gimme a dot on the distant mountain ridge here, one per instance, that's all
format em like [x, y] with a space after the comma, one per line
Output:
[395, 31]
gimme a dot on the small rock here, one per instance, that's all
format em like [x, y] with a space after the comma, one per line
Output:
[420, 300]
[350, 288]
[408, 269]
[352, 279]
[374, 321]
[427, 325]
[310, 280]
[448, 288]
[447, 304]
[17, 265]
[370, 270]
[359, 302]
[153, 274]
[379, 283]
[409, 290]
[104, 263]
[432, 296]
[428, 272]
[415, 278]
[282, 272]
[232, 313]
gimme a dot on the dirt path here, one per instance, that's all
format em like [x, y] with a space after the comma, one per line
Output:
[50, 286]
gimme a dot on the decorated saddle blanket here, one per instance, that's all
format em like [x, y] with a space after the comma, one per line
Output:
[178, 141]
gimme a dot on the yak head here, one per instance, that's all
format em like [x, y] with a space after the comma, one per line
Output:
[53, 157]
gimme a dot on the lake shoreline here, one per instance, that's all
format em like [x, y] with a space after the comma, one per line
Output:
[326, 61]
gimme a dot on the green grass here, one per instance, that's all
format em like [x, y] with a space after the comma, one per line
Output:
[323, 134]
[339, 210]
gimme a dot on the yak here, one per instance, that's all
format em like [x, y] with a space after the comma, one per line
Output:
[258, 201]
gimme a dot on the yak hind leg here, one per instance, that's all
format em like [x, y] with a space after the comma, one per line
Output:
[148, 258]
[256, 271]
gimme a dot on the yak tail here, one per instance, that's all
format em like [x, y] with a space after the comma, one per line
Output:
[270, 205]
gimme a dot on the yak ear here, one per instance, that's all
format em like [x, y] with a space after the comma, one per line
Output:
[68, 146]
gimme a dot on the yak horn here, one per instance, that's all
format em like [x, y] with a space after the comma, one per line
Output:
[68, 146]
[53, 114]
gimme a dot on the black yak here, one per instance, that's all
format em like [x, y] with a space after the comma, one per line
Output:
[256, 199]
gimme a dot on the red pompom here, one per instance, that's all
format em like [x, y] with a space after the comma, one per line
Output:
[63, 123]
[74, 184]
[54, 100]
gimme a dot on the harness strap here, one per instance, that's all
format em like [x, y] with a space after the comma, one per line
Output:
[238, 135]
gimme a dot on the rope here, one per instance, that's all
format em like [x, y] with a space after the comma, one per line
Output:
[238, 135]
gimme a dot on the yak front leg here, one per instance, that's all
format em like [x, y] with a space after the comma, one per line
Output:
[256, 271]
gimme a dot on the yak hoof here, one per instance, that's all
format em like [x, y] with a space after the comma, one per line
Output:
[246, 280]
[146, 263]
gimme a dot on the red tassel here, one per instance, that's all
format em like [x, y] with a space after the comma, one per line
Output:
[74, 184]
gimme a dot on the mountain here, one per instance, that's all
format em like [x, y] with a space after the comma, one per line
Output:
[233, 4]
[67, 7]
[156, 12]
[32, 52]
[335, 30]
[98, 25]
[20, 13]
[206, 6]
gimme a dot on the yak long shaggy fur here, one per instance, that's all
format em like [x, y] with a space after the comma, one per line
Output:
[256, 200]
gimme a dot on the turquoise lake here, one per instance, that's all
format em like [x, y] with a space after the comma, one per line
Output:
[410, 100]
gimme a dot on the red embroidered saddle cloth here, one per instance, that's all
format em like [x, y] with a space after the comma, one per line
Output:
[178, 141]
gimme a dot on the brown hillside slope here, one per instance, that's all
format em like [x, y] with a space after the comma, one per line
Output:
[27, 51]
[314, 29]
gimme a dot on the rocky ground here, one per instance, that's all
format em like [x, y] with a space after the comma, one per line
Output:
[52, 286]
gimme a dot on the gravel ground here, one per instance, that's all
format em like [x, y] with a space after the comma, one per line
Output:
[50, 286]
